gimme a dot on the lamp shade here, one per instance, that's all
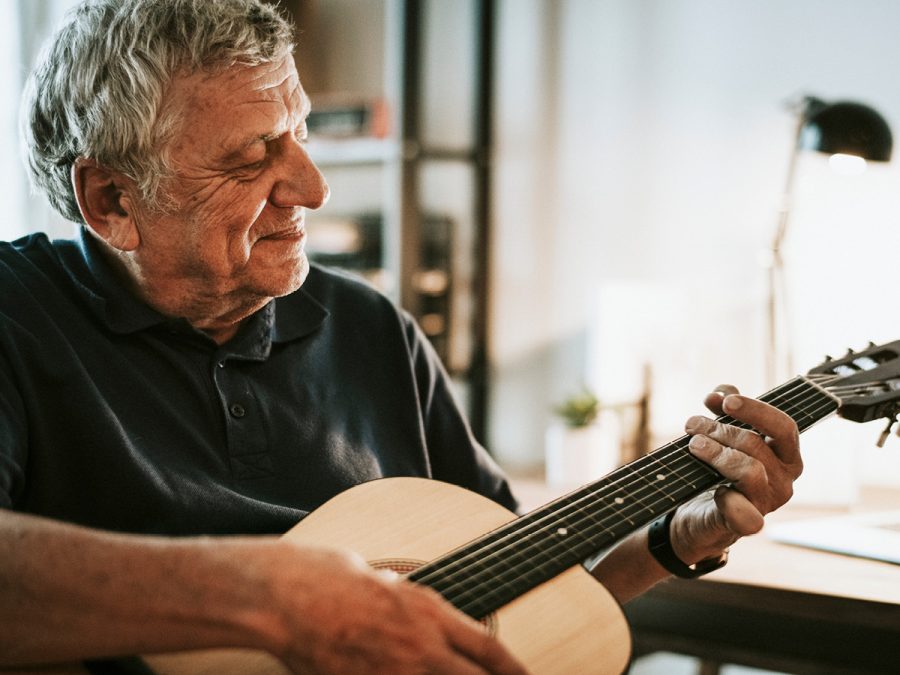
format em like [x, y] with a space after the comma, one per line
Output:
[845, 127]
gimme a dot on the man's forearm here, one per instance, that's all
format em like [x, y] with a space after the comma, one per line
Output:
[69, 593]
[629, 569]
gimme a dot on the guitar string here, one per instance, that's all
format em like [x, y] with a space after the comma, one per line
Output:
[632, 476]
[672, 448]
[660, 461]
[695, 471]
[657, 458]
[660, 497]
[486, 587]
[653, 488]
[820, 377]
[484, 590]
[824, 407]
[856, 387]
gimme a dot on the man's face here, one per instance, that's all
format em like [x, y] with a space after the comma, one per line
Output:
[242, 180]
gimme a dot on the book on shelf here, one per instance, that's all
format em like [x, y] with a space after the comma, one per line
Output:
[344, 116]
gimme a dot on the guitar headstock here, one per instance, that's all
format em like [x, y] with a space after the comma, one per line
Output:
[866, 382]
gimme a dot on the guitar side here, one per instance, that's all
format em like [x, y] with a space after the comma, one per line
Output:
[569, 624]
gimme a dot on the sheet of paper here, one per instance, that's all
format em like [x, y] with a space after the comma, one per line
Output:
[870, 535]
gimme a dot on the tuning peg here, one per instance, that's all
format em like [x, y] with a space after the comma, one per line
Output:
[870, 345]
[828, 358]
[850, 351]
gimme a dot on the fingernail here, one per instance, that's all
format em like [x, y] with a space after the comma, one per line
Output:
[698, 442]
[732, 403]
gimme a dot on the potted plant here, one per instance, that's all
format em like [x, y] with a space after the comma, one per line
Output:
[578, 447]
[579, 410]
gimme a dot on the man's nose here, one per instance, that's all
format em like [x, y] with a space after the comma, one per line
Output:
[299, 181]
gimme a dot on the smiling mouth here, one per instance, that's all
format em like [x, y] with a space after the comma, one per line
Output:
[291, 234]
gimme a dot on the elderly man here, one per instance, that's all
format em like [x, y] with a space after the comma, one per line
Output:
[180, 372]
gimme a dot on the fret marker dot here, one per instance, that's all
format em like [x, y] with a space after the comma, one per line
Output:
[619, 500]
[562, 532]
[660, 476]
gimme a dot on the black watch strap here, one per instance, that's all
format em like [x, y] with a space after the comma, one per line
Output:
[661, 548]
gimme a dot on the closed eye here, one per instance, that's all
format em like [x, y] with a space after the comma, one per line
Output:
[249, 171]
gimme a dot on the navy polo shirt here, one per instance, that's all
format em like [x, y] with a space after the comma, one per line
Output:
[115, 416]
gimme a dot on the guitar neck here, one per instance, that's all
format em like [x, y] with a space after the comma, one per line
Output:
[493, 570]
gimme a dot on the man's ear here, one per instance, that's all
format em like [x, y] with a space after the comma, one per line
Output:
[106, 204]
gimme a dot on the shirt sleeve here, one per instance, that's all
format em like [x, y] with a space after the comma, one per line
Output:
[455, 455]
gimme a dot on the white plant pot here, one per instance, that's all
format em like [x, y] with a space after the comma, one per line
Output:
[578, 455]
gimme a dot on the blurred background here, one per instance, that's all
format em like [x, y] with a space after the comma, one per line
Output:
[583, 194]
[579, 201]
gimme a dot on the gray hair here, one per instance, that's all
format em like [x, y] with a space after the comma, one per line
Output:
[98, 88]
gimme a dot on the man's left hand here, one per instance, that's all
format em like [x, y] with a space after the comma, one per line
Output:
[761, 463]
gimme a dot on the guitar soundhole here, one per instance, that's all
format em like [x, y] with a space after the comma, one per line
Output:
[404, 566]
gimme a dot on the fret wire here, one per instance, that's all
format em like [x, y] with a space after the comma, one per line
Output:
[619, 474]
[490, 590]
[591, 547]
[594, 495]
[486, 586]
[526, 551]
[562, 556]
[679, 444]
[687, 492]
[670, 469]
[654, 457]
[451, 576]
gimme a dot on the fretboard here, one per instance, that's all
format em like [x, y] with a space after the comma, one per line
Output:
[493, 570]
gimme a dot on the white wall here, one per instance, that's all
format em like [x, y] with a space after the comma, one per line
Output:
[642, 149]
[24, 24]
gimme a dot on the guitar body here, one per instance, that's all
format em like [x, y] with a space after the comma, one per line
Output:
[569, 624]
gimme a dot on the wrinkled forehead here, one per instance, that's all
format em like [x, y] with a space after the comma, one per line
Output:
[236, 86]
[264, 77]
[216, 115]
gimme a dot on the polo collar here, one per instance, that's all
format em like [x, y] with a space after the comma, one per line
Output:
[298, 314]
[105, 293]
[282, 320]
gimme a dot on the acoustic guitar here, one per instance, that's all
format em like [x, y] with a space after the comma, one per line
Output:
[523, 576]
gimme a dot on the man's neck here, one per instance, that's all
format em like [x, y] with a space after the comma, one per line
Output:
[219, 316]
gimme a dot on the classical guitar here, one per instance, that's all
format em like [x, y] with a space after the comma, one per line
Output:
[522, 576]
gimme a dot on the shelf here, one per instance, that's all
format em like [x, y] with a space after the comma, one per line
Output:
[423, 68]
[353, 151]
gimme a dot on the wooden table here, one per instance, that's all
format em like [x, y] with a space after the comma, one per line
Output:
[782, 608]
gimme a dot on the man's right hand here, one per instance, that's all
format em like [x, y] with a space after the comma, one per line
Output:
[74, 593]
[337, 615]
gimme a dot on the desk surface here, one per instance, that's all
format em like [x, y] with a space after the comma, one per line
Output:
[782, 607]
[758, 561]
[776, 606]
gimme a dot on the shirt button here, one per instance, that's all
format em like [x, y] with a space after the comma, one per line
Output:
[237, 410]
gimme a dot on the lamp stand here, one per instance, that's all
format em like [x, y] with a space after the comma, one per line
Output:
[778, 343]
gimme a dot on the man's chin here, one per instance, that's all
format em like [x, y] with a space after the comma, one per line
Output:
[291, 280]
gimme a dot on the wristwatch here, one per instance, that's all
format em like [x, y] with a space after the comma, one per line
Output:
[660, 546]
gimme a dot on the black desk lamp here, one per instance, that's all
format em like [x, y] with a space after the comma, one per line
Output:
[844, 129]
